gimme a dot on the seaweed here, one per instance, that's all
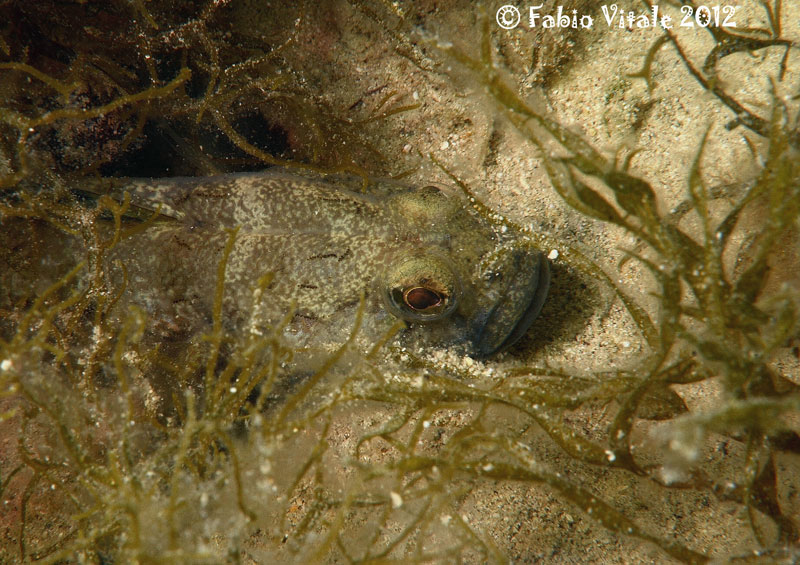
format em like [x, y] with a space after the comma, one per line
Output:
[731, 323]
[119, 449]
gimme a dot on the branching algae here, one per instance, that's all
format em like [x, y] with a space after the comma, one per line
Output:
[218, 447]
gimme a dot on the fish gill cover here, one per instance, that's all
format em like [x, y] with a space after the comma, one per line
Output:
[650, 414]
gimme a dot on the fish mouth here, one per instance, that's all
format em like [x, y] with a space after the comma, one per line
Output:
[519, 304]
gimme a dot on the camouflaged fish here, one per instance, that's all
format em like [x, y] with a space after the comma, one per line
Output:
[417, 254]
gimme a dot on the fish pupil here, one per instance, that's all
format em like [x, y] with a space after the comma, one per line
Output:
[421, 298]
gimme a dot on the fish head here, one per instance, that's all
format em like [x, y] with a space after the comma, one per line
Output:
[459, 279]
[454, 275]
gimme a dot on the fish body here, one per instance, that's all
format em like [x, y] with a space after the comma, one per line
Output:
[314, 246]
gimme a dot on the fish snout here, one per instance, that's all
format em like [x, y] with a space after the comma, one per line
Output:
[516, 288]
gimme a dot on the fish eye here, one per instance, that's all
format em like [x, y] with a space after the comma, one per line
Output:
[421, 288]
[426, 205]
[420, 298]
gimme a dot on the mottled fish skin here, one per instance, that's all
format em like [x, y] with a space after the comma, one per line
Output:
[417, 254]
